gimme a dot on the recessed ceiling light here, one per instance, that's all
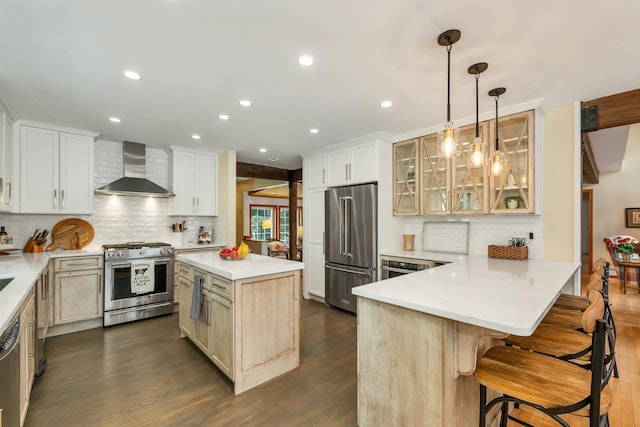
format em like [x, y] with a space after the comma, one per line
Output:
[245, 103]
[313, 130]
[114, 119]
[223, 117]
[195, 136]
[273, 159]
[263, 150]
[305, 60]
[132, 75]
[386, 104]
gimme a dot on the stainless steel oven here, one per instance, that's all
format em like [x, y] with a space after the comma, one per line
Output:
[138, 280]
[391, 266]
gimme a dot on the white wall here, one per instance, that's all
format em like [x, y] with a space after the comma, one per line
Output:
[616, 192]
[121, 218]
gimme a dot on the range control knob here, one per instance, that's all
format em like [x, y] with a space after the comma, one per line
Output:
[120, 253]
[142, 253]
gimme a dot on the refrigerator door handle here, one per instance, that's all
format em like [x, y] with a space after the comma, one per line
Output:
[344, 270]
[347, 228]
[341, 225]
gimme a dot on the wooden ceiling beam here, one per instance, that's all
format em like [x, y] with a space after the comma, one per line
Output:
[616, 110]
[590, 171]
[249, 170]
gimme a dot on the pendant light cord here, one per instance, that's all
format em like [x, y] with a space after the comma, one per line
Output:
[477, 114]
[497, 140]
[449, 82]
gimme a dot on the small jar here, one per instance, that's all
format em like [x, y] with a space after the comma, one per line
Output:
[407, 242]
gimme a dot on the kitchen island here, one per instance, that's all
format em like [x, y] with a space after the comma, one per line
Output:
[244, 315]
[419, 335]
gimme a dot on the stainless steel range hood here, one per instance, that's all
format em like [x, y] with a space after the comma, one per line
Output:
[134, 182]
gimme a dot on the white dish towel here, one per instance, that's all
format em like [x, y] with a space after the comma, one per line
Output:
[142, 276]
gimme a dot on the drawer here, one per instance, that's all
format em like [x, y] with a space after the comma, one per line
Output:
[184, 270]
[207, 278]
[78, 263]
[223, 287]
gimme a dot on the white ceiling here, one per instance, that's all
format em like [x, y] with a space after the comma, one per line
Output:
[61, 62]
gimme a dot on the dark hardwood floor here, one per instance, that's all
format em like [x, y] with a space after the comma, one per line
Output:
[144, 374]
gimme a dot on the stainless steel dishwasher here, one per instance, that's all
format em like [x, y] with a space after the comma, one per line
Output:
[10, 375]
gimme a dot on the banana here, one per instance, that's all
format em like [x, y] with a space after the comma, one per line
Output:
[243, 250]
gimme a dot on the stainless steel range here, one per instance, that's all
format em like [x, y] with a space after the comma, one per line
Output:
[138, 281]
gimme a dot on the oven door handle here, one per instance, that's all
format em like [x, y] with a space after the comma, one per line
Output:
[114, 265]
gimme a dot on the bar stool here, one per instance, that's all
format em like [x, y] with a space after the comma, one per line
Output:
[549, 385]
[563, 343]
[579, 302]
[569, 319]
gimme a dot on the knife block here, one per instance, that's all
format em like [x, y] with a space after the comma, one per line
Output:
[32, 246]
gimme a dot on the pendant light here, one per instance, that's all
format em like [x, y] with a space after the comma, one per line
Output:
[448, 137]
[478, 147]
[498, 157]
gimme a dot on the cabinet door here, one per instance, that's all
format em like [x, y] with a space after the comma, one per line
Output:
[512, 188]
[221, 311]
[405, 177]
[314, 243]
[434, 170]
[184, 309]
[6, 165]
[78, 296]
[203, 324]
[76, 174]
[338, 167]
[183, 183]
[206, 169]
[363, 163]
[469, 193]
[27, 354]
[316, 169]
[39, 170]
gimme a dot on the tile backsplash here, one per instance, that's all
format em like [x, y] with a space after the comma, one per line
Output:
[117, 219]
[487, 230]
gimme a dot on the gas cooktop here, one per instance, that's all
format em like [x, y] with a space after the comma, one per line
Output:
[135, 245]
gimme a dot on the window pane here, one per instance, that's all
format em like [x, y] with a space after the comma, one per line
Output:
[258, 214]
[284, 225]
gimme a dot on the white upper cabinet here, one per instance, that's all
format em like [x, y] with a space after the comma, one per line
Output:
[316, 171]
[193, 178]
[56, 171]
[6, 162]
[354, 164]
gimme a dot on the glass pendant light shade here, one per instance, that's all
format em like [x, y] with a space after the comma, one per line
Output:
[499, 159]
[448, 137]
[478, 148]
[448, 140]
[477, 152]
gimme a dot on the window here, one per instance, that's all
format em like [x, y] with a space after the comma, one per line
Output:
[259, 214]
[284, 225]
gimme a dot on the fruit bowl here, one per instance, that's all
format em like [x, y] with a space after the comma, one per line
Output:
[235, 254]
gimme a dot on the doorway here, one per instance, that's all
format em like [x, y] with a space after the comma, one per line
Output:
[586, 231]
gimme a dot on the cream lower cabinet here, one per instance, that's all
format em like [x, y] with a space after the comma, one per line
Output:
[253, 325]
[78, 283]
[27, 352]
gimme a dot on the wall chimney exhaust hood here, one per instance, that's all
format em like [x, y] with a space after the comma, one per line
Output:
[134, 182]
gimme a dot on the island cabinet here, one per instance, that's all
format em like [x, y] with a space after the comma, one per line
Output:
[249, 322]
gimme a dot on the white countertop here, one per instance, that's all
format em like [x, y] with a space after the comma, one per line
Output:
[504, 295]
[251, 266]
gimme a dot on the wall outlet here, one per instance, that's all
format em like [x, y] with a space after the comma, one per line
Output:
[531, 235]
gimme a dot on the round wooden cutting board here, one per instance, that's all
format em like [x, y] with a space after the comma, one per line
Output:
[71, 233]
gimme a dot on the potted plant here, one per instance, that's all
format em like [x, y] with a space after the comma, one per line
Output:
[512, 202]
[626, 250]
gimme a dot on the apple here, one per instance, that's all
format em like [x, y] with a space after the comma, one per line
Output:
[235, 249]
[233, 254]
[225, 251]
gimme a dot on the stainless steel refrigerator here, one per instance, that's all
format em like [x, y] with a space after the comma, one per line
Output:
[351, 242]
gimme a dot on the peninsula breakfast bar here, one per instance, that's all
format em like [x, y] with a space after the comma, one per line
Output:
[419, 335]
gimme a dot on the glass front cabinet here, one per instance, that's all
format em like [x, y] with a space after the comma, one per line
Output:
[406, 175]
[427, 184]
[512, 187]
